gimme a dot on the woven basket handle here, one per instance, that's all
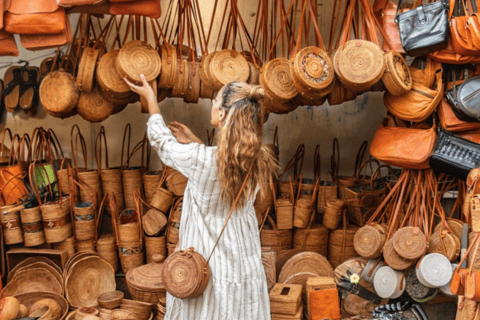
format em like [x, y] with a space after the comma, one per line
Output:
[2, 150]
[210, 137]
[335, 159]
[24, 144]
[231, 209]
[115, 215]
[317, 164]
[129, 130]
[19, 176]
[264, 219]
[98, 149]
[280, 30]
[56, 143]
[99, 218]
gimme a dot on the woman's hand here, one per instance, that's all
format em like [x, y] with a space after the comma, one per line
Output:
[183, 133]
[145, 91]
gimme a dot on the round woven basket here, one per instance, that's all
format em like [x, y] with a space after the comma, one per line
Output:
[271, 105]
[12, 226]
[57, 222]
[410, 243]
[193, 88]
[326, 190]
[86, 69]
[32, 225]
[58, 93]
[445, 243]
[277, 81]
[132, 182]
[174, 219]
[369, 240]
[206, 92]
[169, 67]
[33, 279]
[109, 79]
[93, 107]
[185, 274]
[150, 181]
[9, 308]
[180, 85]
[176, 182]
[337, 96]
[90, 180]
[393, 259]
[146, 286]
[155, 245]
[106, 248]
[278, 240]
[128, 226]
[162, 199]
[359, 65]
[29, 299]
[313, 239]
[227, 66]
[87, 279]
[84, 214]
[138, 57]
[454, 224]
[112, 184]
[397, 78]
[312, 71]
[130, 254]
[284, 213]
[340, 245]
[67, 245]
[204, 71]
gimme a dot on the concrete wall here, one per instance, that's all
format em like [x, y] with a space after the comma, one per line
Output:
[351, 122]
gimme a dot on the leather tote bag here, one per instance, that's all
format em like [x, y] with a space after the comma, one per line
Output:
[424, 29]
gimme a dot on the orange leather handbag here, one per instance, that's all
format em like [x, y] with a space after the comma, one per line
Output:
[34, 17]
[449, 120]
[148, 8]
[2, 6]
[76, 3]
[464, 280]
[47, 41]
[398, 145]
[8, 46]
[419, 103]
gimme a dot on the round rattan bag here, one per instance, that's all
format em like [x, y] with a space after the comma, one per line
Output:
[397, 78]
[59, 94]
[185, 274]
[93, 107]
[138, 57]
[277, 81]
[227, 66]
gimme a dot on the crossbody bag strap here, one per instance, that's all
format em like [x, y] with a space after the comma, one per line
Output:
[231, 209]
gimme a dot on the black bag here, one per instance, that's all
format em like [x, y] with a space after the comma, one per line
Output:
[424, 29]
[454, 155]
[465, 99]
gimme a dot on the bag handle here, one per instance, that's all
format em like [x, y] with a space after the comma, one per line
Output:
[317, 166]
[79, 137]
[98, 149]
[129, 130]
[231, 209]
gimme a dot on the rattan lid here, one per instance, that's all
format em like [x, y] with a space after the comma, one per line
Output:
[410, 242]
[153, 222]
[148, 277]
[368, 241]
[107, 76]
[455, 225]
[277, 81]
[93, 107]
[58, 93]
[387, 283]
[312, 69]
[393, 259]
[32, 280]
[138, 57]
[360, 64]
[227, 66]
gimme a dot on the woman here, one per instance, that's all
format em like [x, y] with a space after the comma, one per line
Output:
[237, 287]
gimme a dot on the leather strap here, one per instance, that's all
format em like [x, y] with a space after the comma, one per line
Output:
[231, 209]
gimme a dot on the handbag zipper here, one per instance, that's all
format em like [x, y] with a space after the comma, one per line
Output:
[423, 93]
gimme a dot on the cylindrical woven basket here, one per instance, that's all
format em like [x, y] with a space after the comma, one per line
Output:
[67, 245]
[57, 222]
[128, 226]
[326, 190]
[62, 176]
[12, 226]
[340, 245]
[173, 226]
[155, 245]
[162, 199]
[132, 182]
[150, 183]
[278, 240]
[90, 180]
[313, 239]
[284, 213]
[285, 190]
[112, 184]
[303, 209]
[333, 213]
[32, 225]
[106, 248]
[84, 214]
[176, 182]
[130, 254]
[85, 245]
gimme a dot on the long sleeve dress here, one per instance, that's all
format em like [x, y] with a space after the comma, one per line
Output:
[237, 288]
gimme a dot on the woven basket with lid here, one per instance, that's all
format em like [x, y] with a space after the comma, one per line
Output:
[397, 77]
[86, 69]
[93, 107]
[109, 80]
[58, 93]
[138, 57]
[277, 81]
[145, 282]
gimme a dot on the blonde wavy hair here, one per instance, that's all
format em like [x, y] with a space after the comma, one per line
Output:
[240, 144]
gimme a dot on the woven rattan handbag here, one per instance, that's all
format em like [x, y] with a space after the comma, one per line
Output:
[186, 272]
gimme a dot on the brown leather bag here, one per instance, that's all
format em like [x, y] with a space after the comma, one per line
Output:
[465, 281]
[419, 103]
[2, 8]
[47, 41]
[76, 3]
[34, 17]
[397, 145]
[449, 120]
[148, 8]
[8, 46]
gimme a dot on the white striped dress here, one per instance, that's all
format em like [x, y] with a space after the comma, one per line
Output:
[238, 287]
